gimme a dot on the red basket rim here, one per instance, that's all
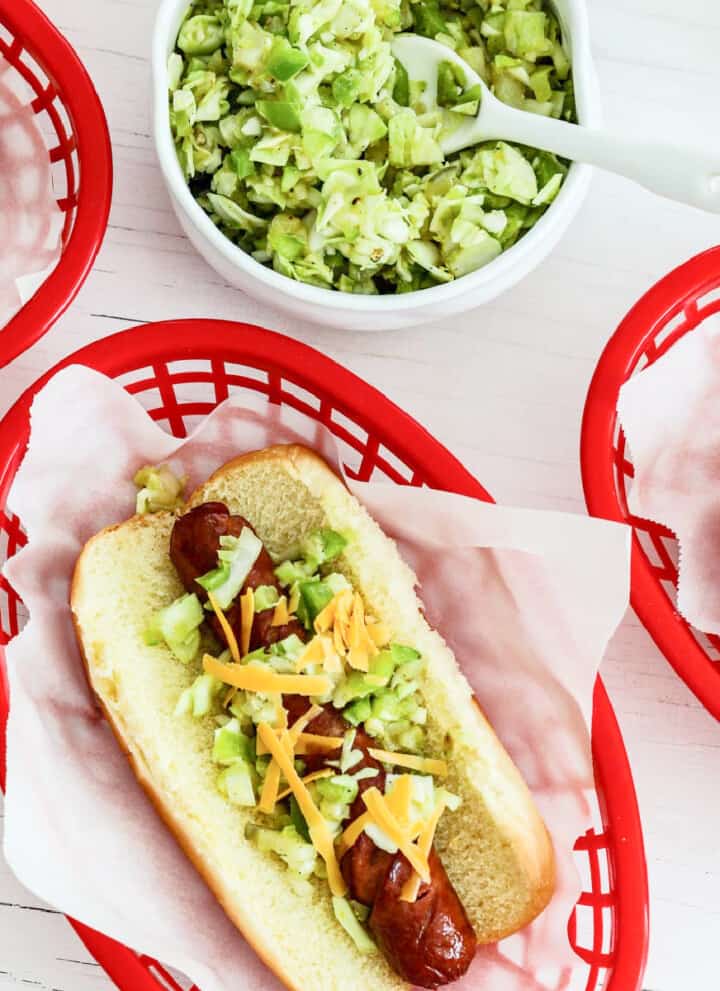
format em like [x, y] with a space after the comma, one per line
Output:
[31, 29]
[669, 297]
[243, 343]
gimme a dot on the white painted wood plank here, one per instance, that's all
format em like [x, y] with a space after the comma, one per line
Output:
[503, 387]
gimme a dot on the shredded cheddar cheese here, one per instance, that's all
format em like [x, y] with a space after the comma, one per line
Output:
[332, 662]
[426, 765]
[313, 653]
[311, 743]
[325, 619]
[254, 678]
[295, 730]
[281, 614]
[343, 614]
[269, 795]
[379, 633]
[353, 636]
[226, 628]
[411, 887]
[398, 801]
[302, 721]
[383, 817]
[352, 834]
[280, 713]
[247, 614]
[294, 600]
[361, 646]
[318, 828]
[320, 650]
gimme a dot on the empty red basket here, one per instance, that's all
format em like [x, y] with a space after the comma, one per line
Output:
[671, 309]
[180, 371]
[72, 122]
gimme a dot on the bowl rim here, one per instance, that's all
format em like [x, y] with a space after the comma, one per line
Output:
[521, 257]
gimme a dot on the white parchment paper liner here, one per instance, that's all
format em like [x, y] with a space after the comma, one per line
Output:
[670, 413]
[546, 592]
[30, 219]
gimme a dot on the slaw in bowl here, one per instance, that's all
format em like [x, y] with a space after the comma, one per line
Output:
[296, 175]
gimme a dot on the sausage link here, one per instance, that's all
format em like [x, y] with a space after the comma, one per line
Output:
[194, 544]
[428, 942]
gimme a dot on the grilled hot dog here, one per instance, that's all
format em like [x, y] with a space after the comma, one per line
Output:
[428, 942]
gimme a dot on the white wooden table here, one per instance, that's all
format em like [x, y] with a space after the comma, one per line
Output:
[503, 388]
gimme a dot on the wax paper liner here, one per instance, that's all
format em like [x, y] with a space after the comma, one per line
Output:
[527, 599]
[31, 218]
[670, 414]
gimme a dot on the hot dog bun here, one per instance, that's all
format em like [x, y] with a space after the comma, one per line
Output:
[496, 849]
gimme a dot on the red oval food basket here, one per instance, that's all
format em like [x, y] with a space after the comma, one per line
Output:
[671, 309]
[169, 366]
[72, 122]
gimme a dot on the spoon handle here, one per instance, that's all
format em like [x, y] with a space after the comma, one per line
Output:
[690, 175]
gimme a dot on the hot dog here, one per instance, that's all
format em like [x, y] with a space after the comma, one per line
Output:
[344, 866]
[193, 550]
[429, 942]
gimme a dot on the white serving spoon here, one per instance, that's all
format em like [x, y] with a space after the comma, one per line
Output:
[690, 175]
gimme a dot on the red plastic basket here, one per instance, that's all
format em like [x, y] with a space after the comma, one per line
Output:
[72, 122]
[179, 371]
[671, 309]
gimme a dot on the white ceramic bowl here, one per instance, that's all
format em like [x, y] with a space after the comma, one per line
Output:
[356, 312]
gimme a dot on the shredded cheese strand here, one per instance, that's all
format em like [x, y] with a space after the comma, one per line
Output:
[319, 832]
[270, 788]
[352, 834]
[398, 800]
[313, 653]
[247, 613]
[324, 772]
[331, 661]
[295, 730]
[325, 619]
[280, 616]
[272, 777]
[379, 633]
[411, 887]
[430, 765]
[280, 713]
[378, 808]
[294, 600]
[254, 678]
[312, 743]
[226, 628]
[302, 721]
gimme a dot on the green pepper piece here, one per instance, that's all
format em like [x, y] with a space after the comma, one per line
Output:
[280, 114]
[428, 19]
[448, 90]
[284, 61]
[401, 90]
[241, 164]
[298, 819]
[314, 596]
[358, 712]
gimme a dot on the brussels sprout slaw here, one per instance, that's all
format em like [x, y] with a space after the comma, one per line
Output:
[302, 137]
